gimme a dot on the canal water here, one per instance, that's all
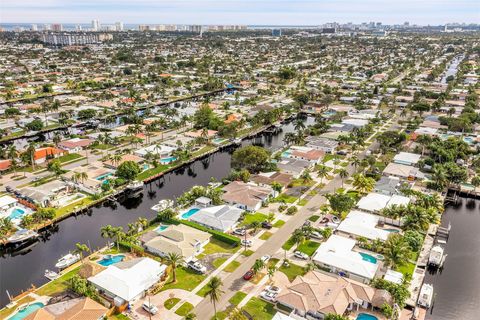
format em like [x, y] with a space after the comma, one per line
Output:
[22, 270]
[457, 287]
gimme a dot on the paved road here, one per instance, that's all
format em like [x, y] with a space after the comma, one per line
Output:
[234, 282]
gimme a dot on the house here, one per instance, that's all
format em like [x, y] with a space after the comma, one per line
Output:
[295, 167]
[389, 185]
[200, 134]
[222, 218]
[266, 179]
[337, 255]
[128, 281]
[376, 202]
[6, 203]
[361, 224]
[246, 196]
[5, 165]
[125, 157]
[43, 154]
[403, 171]
[73, 309]
[160, 149]
[75, 144]
[46, 194]
[181, 239]
[308, 154]
[317, 294]
[407, 158]
[325, 145]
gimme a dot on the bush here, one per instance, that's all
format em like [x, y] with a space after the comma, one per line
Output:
[292, 210]
[282, 207]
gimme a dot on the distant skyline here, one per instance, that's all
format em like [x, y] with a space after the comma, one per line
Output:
[245, 12]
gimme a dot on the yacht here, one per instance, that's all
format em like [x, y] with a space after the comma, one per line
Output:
[67, 260]
[162, 205]
[436, 257]
[135, 186]
[51, 275]
[425, 298]
[22, 235]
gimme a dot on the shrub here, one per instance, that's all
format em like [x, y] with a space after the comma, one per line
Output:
[282, 207]
[292, 210]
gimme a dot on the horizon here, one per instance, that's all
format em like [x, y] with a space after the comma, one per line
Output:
[246, 12]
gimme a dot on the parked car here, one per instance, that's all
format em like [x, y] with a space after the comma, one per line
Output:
[307, 223]
[197, 266]
[239, 231]
[269, 295]
[248, 275]
[316, 235]
[265, 258]
[301, 255]
[342, 152]
[149, 307]
[274, 289]
[247, 243]
[267, 225]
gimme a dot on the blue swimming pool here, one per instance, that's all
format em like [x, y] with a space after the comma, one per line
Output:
[17, 213]
[368, 257]
[366, 316]
[167, 160]
[161, 228]
[28, 310]
[189, 213]
[286, 154]
[103, 176]
[392, 230]
[109, 260]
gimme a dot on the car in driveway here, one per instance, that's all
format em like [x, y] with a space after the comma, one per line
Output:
[301, 255]
[239, 232]
[269, 295]
[197, 266]
[248, 275]
[246, 243]
[273, 289]
[149, 307]
[267, 225]
[265, 258]
[316, 235]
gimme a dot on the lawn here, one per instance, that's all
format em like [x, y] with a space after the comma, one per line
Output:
[229, 268]
[217, 246]
[202, 151]
[278, 223]
[285, 198]
[118, 316]
[406, 268]
[69, 157]
[247, 253]
[186, 279]
[67, 209]
[288, 244]
[252, 217]
[292, 271]
[259, 309]
[309, 247]
[237, 298]
[151, 172]
[266, 235]
[203, 291]
[314, 218]
[301, 183]
[302, 202]
[58, 285]
[170, 303]
[184, 309]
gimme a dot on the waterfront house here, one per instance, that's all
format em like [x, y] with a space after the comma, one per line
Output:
[305, 153]
[389, 185]
[159, 149]
[317, 294]
[199, 134]
[128, 281]
[266, 179]
[221, 218]
[375, 202]
[46, 194]
[125, 157]
[337, 255]
[181, 239]
[362, 224]
[72, 309]
[246, 196]
[6, 203]
[403, 171]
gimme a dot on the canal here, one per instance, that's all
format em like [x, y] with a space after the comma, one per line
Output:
[18, 272]
[457, 287]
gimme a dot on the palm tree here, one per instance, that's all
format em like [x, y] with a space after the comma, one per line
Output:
[31, 153]
[255, 225]
[355, 162]
[106, 232]
[271, 272]
[81, 248]
[258, 265]
[173, 259]
[396, 250]
[322, 172]
[117, 232]
[12, 155]
[214, 292]
[306, 177]
[343, 173]
[363, 184]
[298, 237]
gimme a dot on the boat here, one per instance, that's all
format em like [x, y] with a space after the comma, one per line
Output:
[436, 257]
[237, 141]
[22, 235]
[51, 275]
[425, 297]
[135, 186]
[67, 260]
[162, 205]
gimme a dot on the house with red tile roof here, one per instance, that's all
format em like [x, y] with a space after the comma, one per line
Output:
[43, 154]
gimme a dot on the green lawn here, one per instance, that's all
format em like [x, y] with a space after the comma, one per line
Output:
[302, 202]
[288, 244]
[266, 235]
[217, 246]
[203, 291]
[69, 157]
[292, 271]
[58, 285]
[67, 209]
[151, 172]
[247, 253]
[237, 298]
[118, 316]
[229, 268]
[301, 183]
[285, 198]
[184, 309]
[406, 268]
[187, 279]
[278, 223]
[202, 151]
[170, 303]
[309, 247]
[259, 309]
[314, 218]
[252, 217]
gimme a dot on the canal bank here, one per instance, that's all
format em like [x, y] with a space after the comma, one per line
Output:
[457, 286]
[20, 271]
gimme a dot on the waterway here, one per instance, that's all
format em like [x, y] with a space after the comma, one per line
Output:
[20, 271]
[452, 68]
[457, 287]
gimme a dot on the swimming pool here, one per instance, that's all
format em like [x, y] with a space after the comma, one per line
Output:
[218, 140]
[286, 154]
[28, 310]
[104, 176]
[16, 213]
[109, 260]
[368, 257]
[189, 213]
[161, 228]
[366, 316]
[392, 230]
[167, 160]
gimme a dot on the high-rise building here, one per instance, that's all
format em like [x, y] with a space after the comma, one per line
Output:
[119, 26]
[276, 32]
[74, 38]
[34, 27]
[56, 27]
[95, 25]
[78, 27]
[46, 27]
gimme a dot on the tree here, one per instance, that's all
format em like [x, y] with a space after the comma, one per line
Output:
[322, 172]
[166, 214]
[396, 250]
[128, 170]
[332, 316]
[252, 158]
[298, 237]
[80, 249]
[214, 292]
[258, 265]
[343, 173]
[340, 202]
[35, 125]
[106, 232]
[363, 184]
[204, 117]
[173, 259]
[55, 166]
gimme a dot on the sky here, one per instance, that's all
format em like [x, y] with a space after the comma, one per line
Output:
[246, 12]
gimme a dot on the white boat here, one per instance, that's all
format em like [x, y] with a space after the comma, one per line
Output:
[67, 261]
[51, 275]
[135, 185]
[436, 257]
[425, 297]
[162, 205]
[22, 235]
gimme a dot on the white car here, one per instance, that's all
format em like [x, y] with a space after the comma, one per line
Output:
[316, 235]
[265, 258]
[247, 243]
[197, 266]
[273, 289]
[301, 255]
[269, 295]
[239, 232]
[150, 308]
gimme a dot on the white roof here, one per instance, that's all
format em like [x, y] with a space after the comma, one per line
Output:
[337, 252]
[356, 122]
[364, 225]
[130, 278]
[155, 149]
[281, 316]
[374, 202]
[221, 217]
[407, 158]
[426, 130]
[393, 276]
[7, 200]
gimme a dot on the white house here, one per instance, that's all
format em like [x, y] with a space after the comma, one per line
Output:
[362, 224]
[407, 158]
[222, 218]
[375, 202]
